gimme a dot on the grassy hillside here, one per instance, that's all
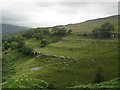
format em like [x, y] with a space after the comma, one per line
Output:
[87, 26]
[112, 84]
[65, 61]
[84, 56]
[84, 53]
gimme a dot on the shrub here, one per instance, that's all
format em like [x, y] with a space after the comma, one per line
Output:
[8, 66]
[69, 31]
[104, 31]
[20, 44]
[27, 50]
[24, 81]
[43, 43]
[59, 31]
[39, 35]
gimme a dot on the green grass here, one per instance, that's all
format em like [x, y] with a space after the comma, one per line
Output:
[112, 84]
[24, 81]
[84, 55]
[90, 53]
[32, 42]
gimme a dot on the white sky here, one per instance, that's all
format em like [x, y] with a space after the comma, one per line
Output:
[34, 13]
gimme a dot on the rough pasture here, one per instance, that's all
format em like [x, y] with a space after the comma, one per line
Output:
[62, 61]
[74, 59]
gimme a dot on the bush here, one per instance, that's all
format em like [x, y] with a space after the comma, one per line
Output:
[39, 35]
[24, 81]
[20, 44]
[8, 66]
[69, 31]
[104, 31]
[27, 50]
[59, 31]
[43, 43]
[6, 45]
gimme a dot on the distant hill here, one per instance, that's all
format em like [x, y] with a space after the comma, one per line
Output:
[87, 26]
[8, 29]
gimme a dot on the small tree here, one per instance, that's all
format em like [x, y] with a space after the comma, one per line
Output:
[39, 35]
[69, 31]
[20, 44]
[107, 27]
[6, 45]
[96, 32]
[84, 34]
[43, 43]
[59, 31]
[46, 32]
[104, 31]
[26, 50]
[13, 45]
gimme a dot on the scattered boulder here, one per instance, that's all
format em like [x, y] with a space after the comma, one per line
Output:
[35, 69]
[66, 64]
[62, 57]
[54, 56]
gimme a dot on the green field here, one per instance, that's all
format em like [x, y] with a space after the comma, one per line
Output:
[71, 61]
[87, 55]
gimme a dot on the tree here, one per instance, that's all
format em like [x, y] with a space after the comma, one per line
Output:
[6, 45]
[28, 34]
[84, 34]
[39, 35]
[20, 44]
[69, 31]
[43, 43]
[107, 27]
[46, 32]
[97, 32]
[104, 31]
[13, 45]
[27, 50]
[59, 31]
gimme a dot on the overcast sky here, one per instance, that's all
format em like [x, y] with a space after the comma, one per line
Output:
[34, 13]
